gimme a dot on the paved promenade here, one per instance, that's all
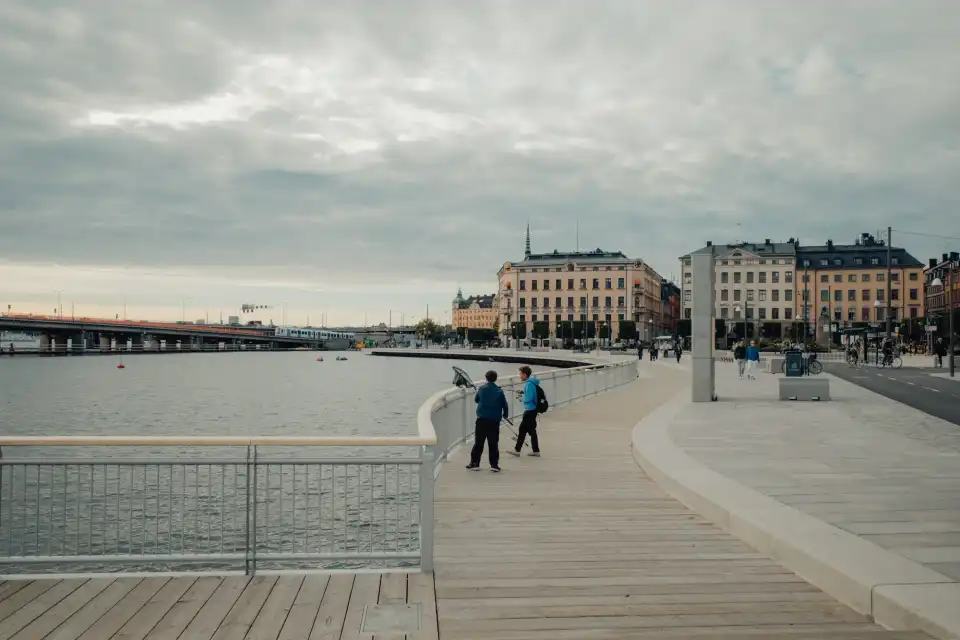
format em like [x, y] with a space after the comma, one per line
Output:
[871, 488]
[580, 544]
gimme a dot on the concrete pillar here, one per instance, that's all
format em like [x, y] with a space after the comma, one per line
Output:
[59, 344]
[121, 343]
[106, 342]
[702, 329]
[136, 341]
[43, 342]
[151, 343]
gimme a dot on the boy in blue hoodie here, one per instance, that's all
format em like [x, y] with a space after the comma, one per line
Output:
[528, 425]
[491, 406]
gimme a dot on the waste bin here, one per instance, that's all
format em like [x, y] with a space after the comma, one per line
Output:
[793, 363]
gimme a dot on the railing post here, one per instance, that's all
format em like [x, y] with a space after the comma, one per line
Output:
[426, 510]
[246, 533]
[253, 536]
[465, 432]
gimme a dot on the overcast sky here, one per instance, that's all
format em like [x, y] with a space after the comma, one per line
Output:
[355, 157]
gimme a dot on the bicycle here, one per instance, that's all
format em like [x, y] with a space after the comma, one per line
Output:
[811, 366]
[854, 361]
[894, 362]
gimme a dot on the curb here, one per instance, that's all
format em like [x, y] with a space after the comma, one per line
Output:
[894, 591]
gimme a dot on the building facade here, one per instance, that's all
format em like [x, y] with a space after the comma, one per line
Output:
[598, 287]
[474, 312]
[938, 298]
[771, 290]
[754, 287]
[670, 295]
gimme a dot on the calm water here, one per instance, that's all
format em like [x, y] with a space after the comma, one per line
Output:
[222, 394]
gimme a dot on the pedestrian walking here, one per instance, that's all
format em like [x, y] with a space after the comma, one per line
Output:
[753, 360]
[640, 351]
[740, 355]
[491, 408]
[528, 424]
[678, 350]
[939, 350]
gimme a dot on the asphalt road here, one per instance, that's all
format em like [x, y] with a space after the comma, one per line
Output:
[913, 387]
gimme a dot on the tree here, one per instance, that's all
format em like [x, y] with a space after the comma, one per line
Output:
[427, 328]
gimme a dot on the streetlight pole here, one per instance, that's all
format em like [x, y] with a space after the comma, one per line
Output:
[937, 282]
[887, 313]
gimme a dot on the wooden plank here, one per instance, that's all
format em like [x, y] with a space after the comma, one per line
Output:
[181, 614]
[10, 587]
[38, 606]
[27, 594]
[246, 608]
[59, 613]
[151, 612]
[79, 622]
[393, 590]
[275, 610]
[216, 608]
[302, 615]
[328, 624]
[114, 619]
[773, 632]
[366, 590]
[421, 591]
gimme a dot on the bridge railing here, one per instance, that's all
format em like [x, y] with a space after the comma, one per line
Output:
[104, 504]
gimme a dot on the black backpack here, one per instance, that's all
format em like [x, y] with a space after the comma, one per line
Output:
[542, 404]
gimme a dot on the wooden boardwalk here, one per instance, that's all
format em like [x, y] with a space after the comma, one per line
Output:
[579, 544]
[288, 607]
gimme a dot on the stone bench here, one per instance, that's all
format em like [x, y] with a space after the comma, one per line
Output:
[805, 388]
[775, 364]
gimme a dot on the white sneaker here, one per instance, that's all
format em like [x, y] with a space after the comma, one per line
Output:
[513, 452]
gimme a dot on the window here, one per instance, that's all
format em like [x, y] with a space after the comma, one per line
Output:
[686, 297]
[775, 313]
[570, 301]
[838, 296]
[837, 314]
[621, 302]
[570, 283]
[851, 295]
[837, 262]
[913, 292]
[851, 277]
[824, 262]
[596, 283]
[596, 301]
[788, 295]
[736, 277]
[806, 263]
[607, 302]
[533, 302]
[724, 295]
[558, 284]
[750, 311]
[621, 283]
[838, 277]
[583, 283]
[763, 313]
[775, 295]
[824, 295]
[851, 314]
[763, 295]
[894, 260]
[865, 314]
[863, 278]
[523, 318]
[546, 285]
[824, 277]
[788, 313]
[523, 285]
[894, 277]
[608, 284]
[533, 285]
[913, 312]
[788, 277]
[687, 313]
[559, 318]
[895, 294]
[596, 317]
[806, 278]
[874, 260]
[775, 276]
[523, 303]
[736, 295]
[724, 277]
[762, 276]
[724, 312]
[736, 313]
[749, 277]
[880, 295]
[914, 276]
[583, 302]
[881, 277]
[687, 278]
[620, 317]
[865, 295]
[558, 302]
[749, 295]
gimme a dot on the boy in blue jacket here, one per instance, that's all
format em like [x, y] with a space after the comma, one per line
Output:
[529, 422]
[491, 407]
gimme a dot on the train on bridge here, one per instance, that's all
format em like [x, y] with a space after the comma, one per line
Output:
[329, 338]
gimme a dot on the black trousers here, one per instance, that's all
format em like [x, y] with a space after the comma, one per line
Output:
[528, 425]
[487, 431]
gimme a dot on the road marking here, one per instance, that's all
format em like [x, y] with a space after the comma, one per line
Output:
[912, 384]
[932, 389]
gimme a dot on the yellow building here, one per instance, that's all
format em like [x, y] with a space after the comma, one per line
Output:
[848, 283]
[475, 312]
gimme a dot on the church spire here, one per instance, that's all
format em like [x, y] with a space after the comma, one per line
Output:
[526, 251]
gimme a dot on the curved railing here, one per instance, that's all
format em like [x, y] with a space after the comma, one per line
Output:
[241, 504]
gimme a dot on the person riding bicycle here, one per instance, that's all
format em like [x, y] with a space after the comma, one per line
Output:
[887, 352]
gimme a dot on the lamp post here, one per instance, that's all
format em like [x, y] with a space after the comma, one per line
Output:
[937, 282]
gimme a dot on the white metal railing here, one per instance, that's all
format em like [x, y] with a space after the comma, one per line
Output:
[241, 504]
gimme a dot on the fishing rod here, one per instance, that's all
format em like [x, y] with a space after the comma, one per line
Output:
[462, 380]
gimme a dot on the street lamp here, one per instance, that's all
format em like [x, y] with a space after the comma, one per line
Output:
[937, 282]
[737, 309]
[650, 329]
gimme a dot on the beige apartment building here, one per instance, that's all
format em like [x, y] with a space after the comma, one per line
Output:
[474, 312]
[602, 287]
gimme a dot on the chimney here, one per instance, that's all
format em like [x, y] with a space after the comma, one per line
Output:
[944, 258]
[829, 245]
[954, 256]
[767, 242]
[710, 244]
[933, 262]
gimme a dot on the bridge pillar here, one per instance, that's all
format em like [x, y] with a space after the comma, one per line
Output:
[151, 343]
[106, 341]
[702, 330]
[136, 342]
[77, 343]
[122, 343]
[59, 344]
[169, 343]
[43, 342]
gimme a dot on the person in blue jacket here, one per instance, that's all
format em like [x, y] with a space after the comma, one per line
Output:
[491, 407]
[528, 425]
[753, 360]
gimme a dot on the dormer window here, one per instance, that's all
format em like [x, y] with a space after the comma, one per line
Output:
[858, 261]
[874, 260]
[806, 263]
[824, 262]
[837, 262]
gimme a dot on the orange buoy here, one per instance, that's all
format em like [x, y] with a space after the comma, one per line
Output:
[121, 366]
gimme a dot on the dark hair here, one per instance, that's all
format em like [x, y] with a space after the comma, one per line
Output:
[491, 376]
[527, 370]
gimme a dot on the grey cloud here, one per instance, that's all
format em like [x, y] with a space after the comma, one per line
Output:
[388, 140]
